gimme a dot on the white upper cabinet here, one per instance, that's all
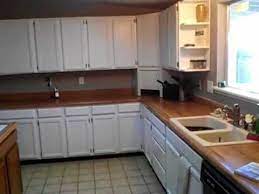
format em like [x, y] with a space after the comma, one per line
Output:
[173, 37]
[48, 45]
[105, 134]
[75, 43]
[17, 47]
[100, 36]
[148, 40]
[124, 35]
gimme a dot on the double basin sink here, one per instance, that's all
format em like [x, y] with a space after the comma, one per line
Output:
[211, 131]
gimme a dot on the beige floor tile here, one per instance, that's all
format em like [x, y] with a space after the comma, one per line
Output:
[37, 181]
[151, 179]
[53, 180]
[69, 192]
[69, 187]
[155, 188]
[133, 173]
[36, 189]
[86, 185]
[104, 191]
[85, 178]
[51, 189]
[139, 189]
[103, 183]
[91, 191]
[102, 176]
[136, 181]
[69, 179]
[121, 190]
[120, 182]
[86, 171]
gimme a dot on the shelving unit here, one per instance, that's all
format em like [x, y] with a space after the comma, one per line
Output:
[193, 32]
[188, 40]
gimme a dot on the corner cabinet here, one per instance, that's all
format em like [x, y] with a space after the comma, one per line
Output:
[53, 137]
[75, 43]
[188, 39]
[17, 47]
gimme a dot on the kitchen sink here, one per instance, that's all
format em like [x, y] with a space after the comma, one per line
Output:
[202, 123]
[211, 131]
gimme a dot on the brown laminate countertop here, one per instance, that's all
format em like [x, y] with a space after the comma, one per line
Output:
[224, 158]
[7, 131]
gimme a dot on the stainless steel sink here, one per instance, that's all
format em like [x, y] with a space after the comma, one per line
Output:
[210, 131]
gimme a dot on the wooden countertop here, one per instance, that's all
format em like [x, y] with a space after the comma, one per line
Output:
[224, 158]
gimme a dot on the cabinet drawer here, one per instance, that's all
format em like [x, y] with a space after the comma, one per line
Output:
[129, 107]
[77, 111]
[178, 144]
[160, 139]
[17, 114]
[159, 153]
[159, 170]
[194, 158]
[146, 113]
[159, 124]
[104, 109]
[50, 112]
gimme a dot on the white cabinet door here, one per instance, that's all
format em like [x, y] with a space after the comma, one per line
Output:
[48, 45]
[148, 40]
[79, 136]
[173, 37]
[105, 134]
[53, 137]
[163, 37]
[130, 132]
[28, 138]
[124, 35]
[100, 43]
[172, 160]
[148, 139]
[195, 184]
[17, 47]
[75, 43]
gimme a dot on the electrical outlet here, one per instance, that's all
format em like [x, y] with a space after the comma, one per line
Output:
[210, 86]
[81, 81]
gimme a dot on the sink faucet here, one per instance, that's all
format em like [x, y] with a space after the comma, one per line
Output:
[233, 113]
[56, 94]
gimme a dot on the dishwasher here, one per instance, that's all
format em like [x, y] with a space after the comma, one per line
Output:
[215, 182]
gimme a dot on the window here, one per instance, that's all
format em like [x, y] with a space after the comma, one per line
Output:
[243, 45]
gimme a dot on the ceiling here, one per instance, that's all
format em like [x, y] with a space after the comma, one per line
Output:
[13, 9]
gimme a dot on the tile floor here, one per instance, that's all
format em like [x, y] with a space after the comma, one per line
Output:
[126, 175]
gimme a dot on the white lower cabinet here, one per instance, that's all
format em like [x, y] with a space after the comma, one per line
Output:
[53, 137]
[147, 139]
[105, 132]
[159, 170]
[28, 139]
[129, 132]
[195, 184]
[172, 161]
[79, 136]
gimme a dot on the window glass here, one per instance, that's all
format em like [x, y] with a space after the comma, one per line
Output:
[243, 45]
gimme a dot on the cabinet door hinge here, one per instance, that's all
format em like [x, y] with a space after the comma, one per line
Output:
[178, 64]
[135, 20]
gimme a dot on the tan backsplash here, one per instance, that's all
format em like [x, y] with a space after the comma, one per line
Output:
[110, 79]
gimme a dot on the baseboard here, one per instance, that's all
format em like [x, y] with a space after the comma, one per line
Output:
[44, 161]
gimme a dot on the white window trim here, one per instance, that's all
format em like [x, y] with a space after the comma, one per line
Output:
[238, 94]
[223, 66]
